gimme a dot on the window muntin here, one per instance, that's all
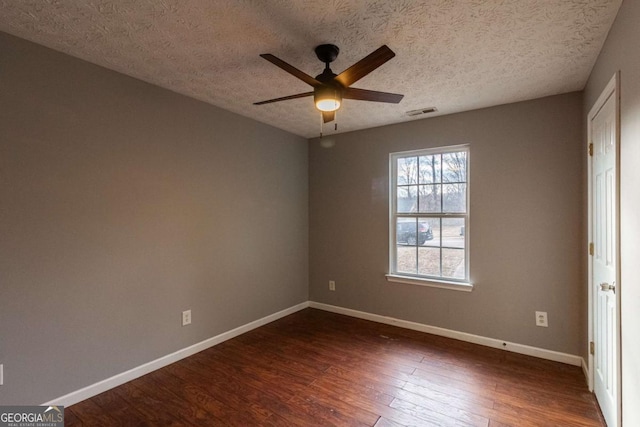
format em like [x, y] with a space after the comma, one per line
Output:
[429, 214]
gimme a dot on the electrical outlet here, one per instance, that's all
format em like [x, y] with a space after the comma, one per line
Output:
[332, 285]
[541, 319]
[186, 318]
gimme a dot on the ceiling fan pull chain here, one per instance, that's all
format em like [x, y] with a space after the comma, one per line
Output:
[335, 117]
[321, 124]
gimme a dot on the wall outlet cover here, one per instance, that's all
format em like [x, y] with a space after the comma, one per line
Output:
[542, 319]
[186, 317]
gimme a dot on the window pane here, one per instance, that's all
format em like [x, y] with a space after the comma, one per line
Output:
[453, 263]
[406, 231]
[433, 234]
[407, 170]
[429, 261]
[454, 197]
[454, 167]
[407, 199]
[430, 169]
[430, 198]
[453, 235]
[407, 260]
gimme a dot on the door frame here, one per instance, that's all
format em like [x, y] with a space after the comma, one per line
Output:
[612, 89]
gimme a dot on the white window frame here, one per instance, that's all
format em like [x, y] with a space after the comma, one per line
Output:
[417, 279]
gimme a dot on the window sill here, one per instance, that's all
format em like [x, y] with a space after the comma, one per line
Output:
[442, 284]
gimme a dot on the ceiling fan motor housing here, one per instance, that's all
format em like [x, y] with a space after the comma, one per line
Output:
[327, 53]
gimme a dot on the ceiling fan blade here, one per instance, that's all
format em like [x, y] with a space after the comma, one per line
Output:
[284, 98]
[371, 95]
[291, 69]
[365, 66]
[328, 116]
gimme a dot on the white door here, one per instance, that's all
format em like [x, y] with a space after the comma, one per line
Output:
[604, 272]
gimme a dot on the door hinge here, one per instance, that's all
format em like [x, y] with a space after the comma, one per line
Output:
[591, 248]
[592, 348]
[591, 149]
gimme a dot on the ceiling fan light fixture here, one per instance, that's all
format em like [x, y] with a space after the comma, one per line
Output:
[328, 104]
[327, 98]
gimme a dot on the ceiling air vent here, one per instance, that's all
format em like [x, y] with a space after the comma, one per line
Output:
[421, 111]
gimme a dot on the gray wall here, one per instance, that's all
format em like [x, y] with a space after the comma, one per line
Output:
[123, 204]
[621, 52]
[526, 166]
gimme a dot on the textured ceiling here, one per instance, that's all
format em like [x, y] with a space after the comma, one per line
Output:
[456, 55]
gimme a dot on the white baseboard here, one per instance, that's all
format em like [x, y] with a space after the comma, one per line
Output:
[585, 371]
[131, 374]
[556, 356]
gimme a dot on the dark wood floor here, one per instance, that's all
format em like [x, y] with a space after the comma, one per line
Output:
[316, 368]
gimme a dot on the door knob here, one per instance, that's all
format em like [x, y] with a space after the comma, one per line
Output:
[604, 286]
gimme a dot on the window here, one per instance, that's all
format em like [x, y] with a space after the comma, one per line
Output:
[429, 217]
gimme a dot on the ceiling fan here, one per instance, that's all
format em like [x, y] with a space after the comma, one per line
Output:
[330, 89]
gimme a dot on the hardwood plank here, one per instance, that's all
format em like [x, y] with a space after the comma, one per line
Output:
[297, 373]
[320, 368]
[236, 414]
[111, 403]
[238, 394]
[266, 380]
[186, 414]
[447, 402]
[366, 377]
[278, 360]
[541, 398]
[90, 414]
[552, 417]
[457, 380]
[71, 419]
[151, 409]
[292, 353]
[354, 395]
[426, 412]
[324, 415]
[328, 410]
[332, 384]
[475, 405]
[479, 396]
